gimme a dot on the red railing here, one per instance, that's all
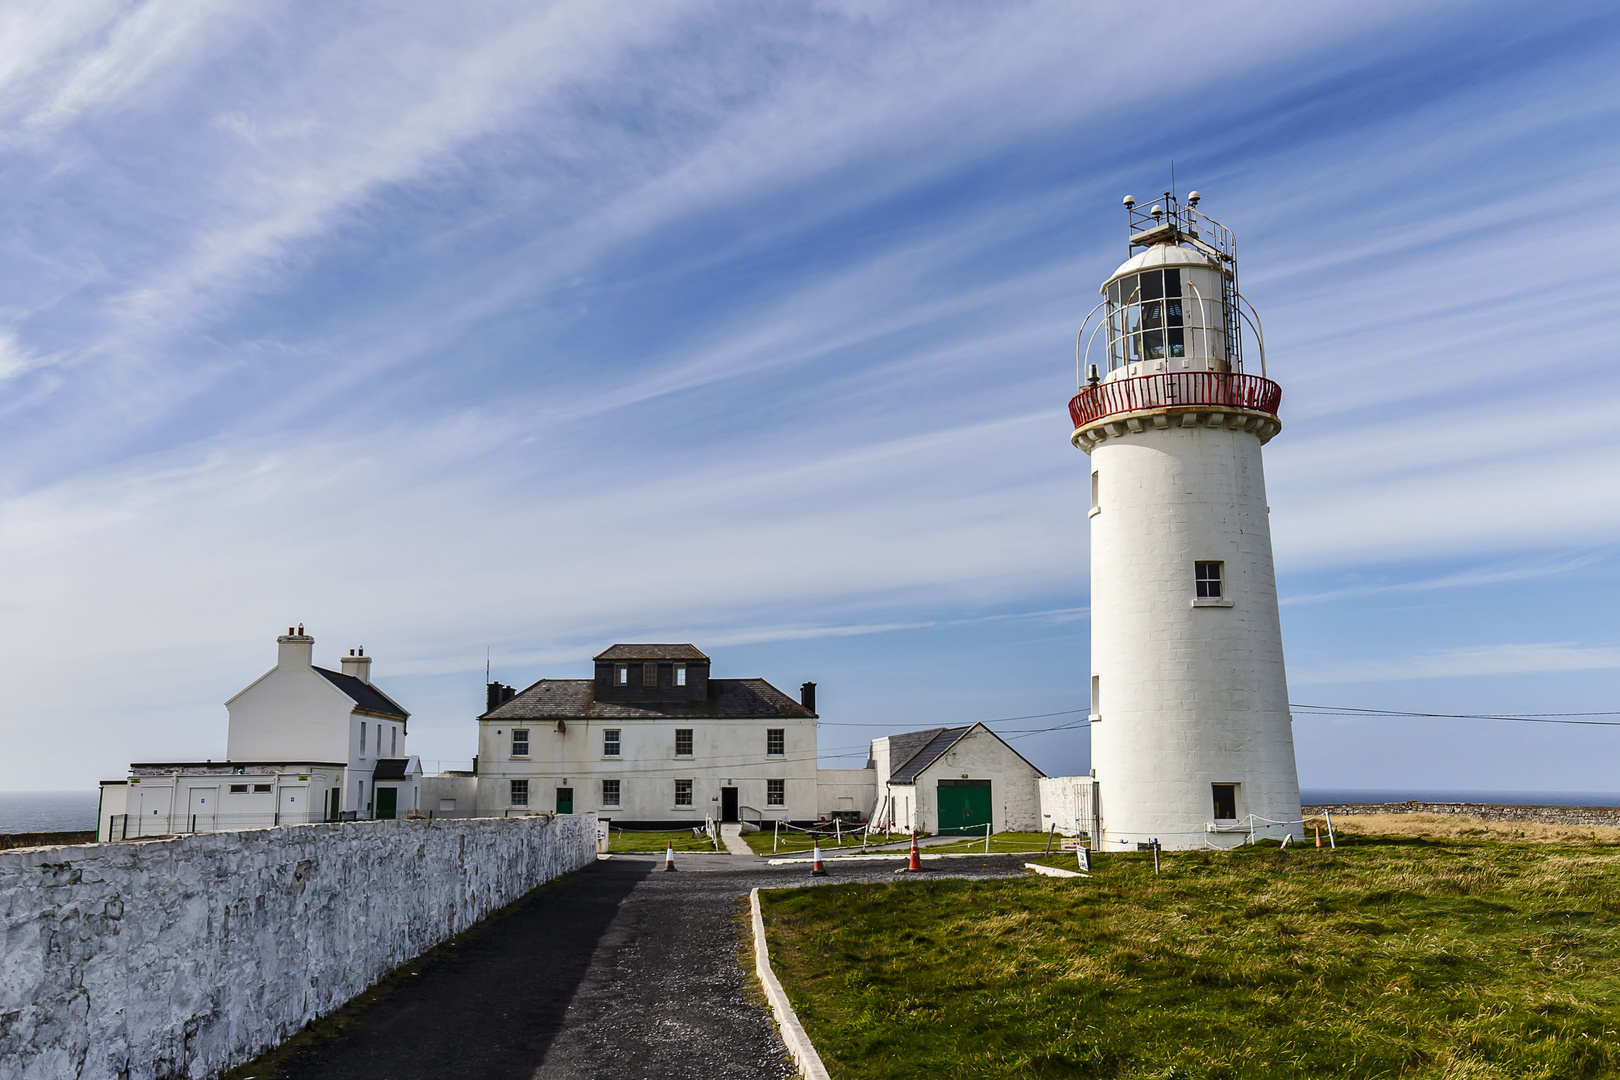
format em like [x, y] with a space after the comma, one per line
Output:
[1174, 388]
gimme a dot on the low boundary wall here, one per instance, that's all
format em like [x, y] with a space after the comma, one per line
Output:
[1544, 815]
[184, 957]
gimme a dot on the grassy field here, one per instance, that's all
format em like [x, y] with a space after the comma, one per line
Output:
[1406, 956]
[656, 841]
[1019, 842]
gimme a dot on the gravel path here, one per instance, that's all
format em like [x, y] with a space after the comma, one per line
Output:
[619, 970]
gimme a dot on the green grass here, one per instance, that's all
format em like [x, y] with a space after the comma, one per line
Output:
[1388, 958]
[791, 842]
[656, 841]
[1019, 842]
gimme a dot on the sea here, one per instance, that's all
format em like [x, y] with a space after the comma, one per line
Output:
[47, 811]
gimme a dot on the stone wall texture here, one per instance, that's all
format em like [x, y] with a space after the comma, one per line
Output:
[186, 956]
[1543, 815]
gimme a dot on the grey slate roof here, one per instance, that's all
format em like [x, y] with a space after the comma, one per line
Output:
[364, 695]
[651, 652]
[575, 699]
[929, 745]
[390, 768]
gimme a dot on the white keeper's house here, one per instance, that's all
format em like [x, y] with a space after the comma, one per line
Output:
[303, 744]
[652, 739]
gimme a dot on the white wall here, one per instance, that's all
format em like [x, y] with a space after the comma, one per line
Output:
[647, 766]
[1066, 803]
[845, 790]
[290, 713]
[1189, 695]
[163, 805]
[185, 957]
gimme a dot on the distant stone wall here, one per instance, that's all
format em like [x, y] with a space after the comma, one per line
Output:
[1543, 815]
[184, 957]
[39, 839]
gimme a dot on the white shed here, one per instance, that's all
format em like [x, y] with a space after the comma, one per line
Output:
[955, 780]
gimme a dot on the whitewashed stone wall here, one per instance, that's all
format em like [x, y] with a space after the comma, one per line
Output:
[184, 957]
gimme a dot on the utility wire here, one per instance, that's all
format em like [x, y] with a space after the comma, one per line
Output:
[1523, 718]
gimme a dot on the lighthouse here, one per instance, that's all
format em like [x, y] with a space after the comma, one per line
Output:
[1191, 737]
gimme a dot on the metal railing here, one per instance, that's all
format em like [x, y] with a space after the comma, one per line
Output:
[1171, 389]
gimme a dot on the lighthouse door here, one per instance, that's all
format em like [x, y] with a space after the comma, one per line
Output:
[964, 806]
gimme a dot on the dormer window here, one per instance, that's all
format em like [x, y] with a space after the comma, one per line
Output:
[680, 674]
[649, 674]
[621, 674]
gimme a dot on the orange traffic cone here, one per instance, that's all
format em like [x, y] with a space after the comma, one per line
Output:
[669, 856]
[916, 856]
[1319, 836]
[816, 868]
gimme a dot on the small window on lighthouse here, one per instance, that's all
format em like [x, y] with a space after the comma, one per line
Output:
[1225, 801]
[1094, 491]
[1207, 577]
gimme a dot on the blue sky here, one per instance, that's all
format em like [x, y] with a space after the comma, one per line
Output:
[531, 328]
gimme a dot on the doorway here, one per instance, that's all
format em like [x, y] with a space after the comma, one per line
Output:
[290, 808]
[964, 806]
[387, 802]
[565, 800]
[728, 804]
[201, 810]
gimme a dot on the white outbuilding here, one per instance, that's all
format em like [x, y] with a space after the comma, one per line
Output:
[955, 780]
[303, 743]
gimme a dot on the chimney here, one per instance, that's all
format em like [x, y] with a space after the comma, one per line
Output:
[293, 649]
[807, 696]
[496, 695]
[358, 664]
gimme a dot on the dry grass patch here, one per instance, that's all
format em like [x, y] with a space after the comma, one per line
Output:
[1455, 827]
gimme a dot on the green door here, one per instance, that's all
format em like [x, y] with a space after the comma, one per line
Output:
[964, 806]
[565, 800]
[387, 802]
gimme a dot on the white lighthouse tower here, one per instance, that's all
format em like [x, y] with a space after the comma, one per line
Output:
[1191, 738]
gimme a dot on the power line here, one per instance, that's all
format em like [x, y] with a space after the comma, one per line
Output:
[1522, 718]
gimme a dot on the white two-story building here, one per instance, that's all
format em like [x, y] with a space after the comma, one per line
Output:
[303, 743]
[650, 740]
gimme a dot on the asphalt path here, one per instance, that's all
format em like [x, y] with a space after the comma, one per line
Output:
[619, 970]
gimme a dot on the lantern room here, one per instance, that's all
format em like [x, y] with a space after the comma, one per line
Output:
[1166, 311]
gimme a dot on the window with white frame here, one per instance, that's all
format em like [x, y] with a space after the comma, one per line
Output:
[520, 792]
[520, 742]
[776, 793]
[776, 740]
[680, 674]
[683, 742]
[393, 742]
[683, 793]
[262, 789]
[610, 743]
[610, 793]
[362, 738]
[238, 789]
[1207, 579]
[621, 674]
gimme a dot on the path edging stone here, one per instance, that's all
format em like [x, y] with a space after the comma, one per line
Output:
[793, 1033]
[1053, 871]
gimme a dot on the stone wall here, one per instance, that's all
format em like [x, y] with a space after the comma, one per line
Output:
[1544, 815]
[183, 957]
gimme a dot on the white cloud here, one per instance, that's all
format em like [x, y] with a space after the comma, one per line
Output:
[1474, 662]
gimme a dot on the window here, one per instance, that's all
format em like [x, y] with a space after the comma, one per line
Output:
[621, 674]
[775, 740]
[610, 793]
[1094, 491]
[238, 789]
[1225, 801]
[362, 738]
[520, 792]
[610, 743]
[683, 742]
[1207, 579]
[393, 742]
[680, 674]
[1096, 696]
[776, 793]
[262, 789]
[649, 674]
[520, 742]
[1145, 318]
[683, 793]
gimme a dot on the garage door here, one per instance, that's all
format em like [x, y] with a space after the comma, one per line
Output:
[964, 806]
